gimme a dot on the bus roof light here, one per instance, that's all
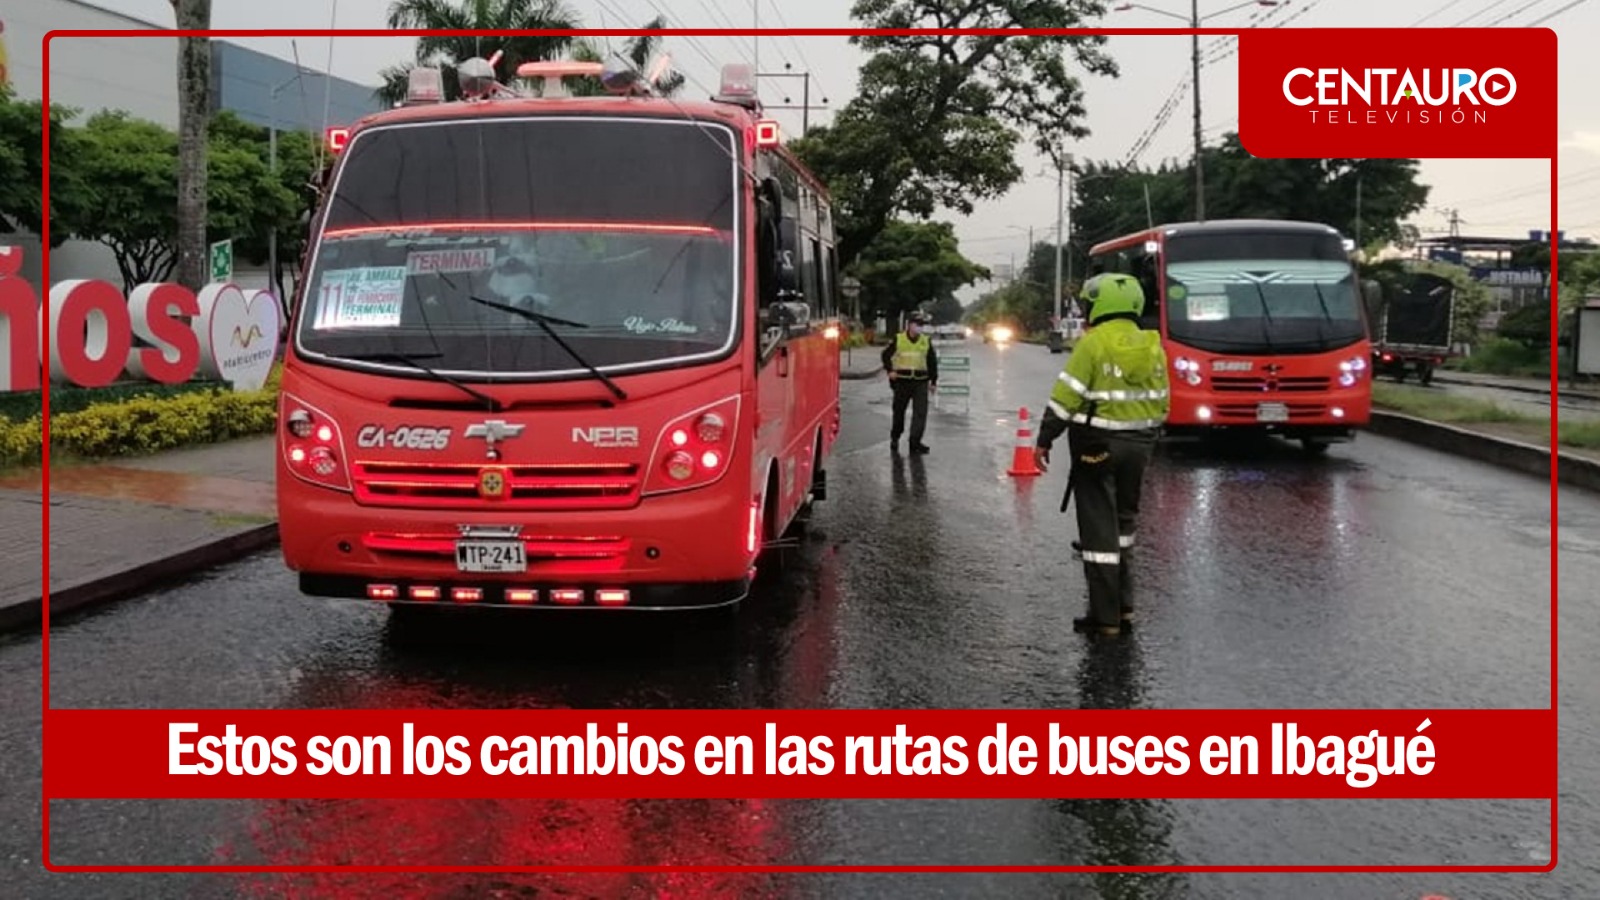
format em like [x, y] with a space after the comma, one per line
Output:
[337, 138]
[738, 86]
[425, 84]
[767, 134]
[553, 70]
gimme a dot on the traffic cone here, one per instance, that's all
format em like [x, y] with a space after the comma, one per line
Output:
[1022, 464]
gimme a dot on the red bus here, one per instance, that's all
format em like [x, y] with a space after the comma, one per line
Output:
[563, 352]
[1263, 326]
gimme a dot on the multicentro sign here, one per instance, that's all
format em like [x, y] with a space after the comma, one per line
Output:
[223, 333]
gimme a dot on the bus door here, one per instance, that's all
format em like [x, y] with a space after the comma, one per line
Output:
[781, 317]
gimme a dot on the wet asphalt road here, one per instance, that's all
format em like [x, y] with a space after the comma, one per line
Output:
[1384, 575]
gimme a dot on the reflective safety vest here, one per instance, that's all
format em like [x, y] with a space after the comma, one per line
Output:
[911, 356]
[1116, 379]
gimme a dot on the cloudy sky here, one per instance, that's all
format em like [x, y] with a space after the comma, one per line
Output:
[1503, 197]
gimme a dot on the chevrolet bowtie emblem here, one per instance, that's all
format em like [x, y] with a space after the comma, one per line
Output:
[493, 431]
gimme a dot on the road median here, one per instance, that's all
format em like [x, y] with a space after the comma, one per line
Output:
[1532, 459]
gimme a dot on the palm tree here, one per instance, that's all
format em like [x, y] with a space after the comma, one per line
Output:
[639, 52]
[194, 111]
[476, 15]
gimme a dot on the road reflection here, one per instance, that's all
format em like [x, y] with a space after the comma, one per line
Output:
[1111, 675]
[523, 663]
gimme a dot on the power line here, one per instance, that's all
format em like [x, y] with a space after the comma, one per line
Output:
[1479, 13]
[1517, 12]
[1435, 13]
[1556, 13]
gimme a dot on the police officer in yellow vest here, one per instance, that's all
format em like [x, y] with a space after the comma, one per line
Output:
[913, 369]
[1111, 400]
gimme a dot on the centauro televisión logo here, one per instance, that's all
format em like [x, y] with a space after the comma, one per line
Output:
[1399, 96]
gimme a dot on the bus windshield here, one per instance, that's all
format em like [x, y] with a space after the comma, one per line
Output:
[616, 234]
[1263, 292]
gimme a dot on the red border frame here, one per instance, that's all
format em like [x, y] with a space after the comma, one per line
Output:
[1554, 708]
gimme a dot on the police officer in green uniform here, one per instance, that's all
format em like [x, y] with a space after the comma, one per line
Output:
[913, 369]
[1111, 400]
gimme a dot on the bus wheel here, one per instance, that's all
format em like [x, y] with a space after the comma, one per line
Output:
[1314, 447]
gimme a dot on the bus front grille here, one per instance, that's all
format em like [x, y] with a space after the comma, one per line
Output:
[1259, 385]
[463, 485]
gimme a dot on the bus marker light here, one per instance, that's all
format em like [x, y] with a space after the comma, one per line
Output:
[755, 523]
[831, 332]
[611, 597]
[424, 593]
[567, 596]
[521, 595]
[382, 592]
[466, 594]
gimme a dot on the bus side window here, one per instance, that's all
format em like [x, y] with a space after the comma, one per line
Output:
[768, 243]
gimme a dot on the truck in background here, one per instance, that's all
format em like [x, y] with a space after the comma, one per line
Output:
[1412, 322]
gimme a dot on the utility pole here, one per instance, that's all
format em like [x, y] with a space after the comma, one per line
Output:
[1359, 245]
[805, 105]
[1061, 169]
[1199, 168]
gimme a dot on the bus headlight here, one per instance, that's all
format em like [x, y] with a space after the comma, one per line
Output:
[1350, 370]
[1188, 370]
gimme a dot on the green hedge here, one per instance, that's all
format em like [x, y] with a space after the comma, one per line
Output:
[143, 422]
[22, 405]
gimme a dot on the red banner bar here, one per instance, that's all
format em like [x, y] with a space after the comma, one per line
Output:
[1398, 92]
[1460, 754]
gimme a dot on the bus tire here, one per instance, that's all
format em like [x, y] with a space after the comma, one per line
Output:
[1314, 447]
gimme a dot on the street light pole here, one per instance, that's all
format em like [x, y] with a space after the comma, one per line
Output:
[1061, 168]
[1199, 167]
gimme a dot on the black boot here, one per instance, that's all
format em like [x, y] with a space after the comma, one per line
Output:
[919, 449]
[1088, 625]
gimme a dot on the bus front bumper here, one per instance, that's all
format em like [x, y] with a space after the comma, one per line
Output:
[1329, 416]
[684, 551]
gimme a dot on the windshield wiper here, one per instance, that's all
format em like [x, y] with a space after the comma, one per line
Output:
[1266, 317]
[1326, 315]
[414, 362]
[544, 321]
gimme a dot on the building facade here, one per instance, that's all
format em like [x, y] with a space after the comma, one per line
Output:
[139, 74]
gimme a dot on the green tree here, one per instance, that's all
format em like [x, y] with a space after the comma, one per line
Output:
[913, 264]
[1110, 199]
[639, 52]
[939, 119]
[130, 166]
[287, 210]
[947, 310]
[476, 15]
[22, 168]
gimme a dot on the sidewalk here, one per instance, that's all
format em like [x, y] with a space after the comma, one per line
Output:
[1511, 383]
[118, 527]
